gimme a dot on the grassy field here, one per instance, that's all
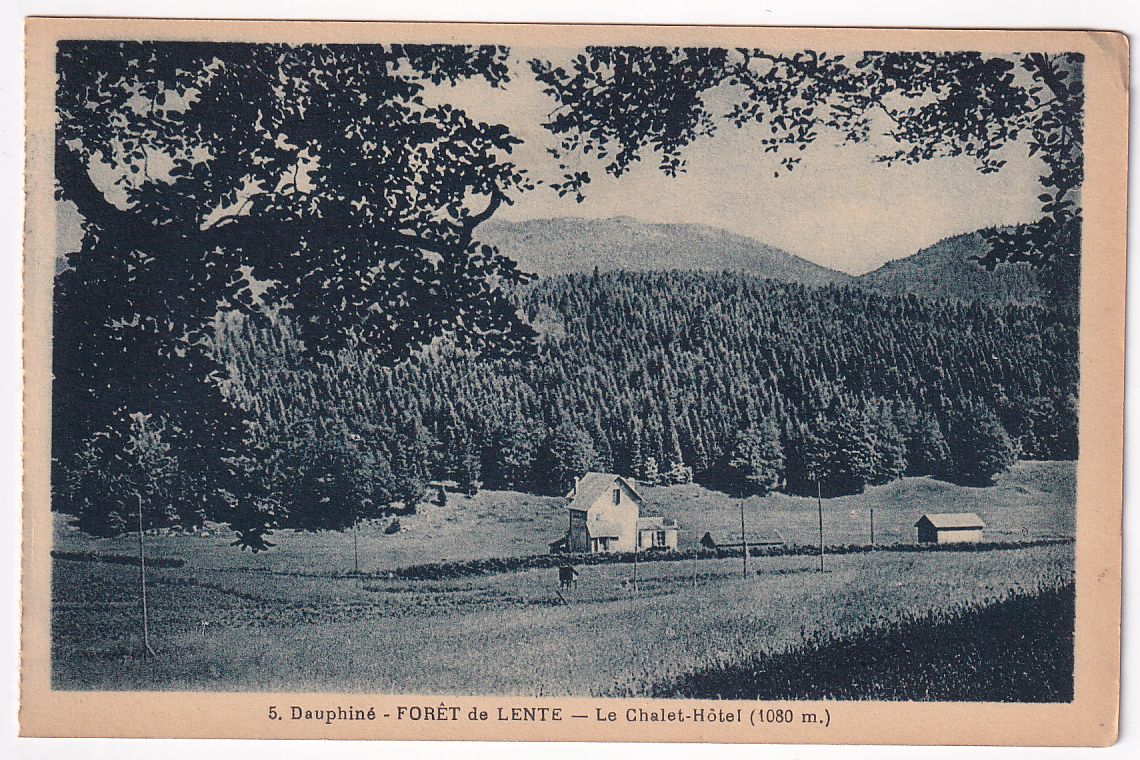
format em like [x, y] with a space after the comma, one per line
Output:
[1034, 500]
[506, 633]
[292, 620]
[1019, 649]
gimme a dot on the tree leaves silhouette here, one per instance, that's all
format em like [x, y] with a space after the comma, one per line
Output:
[622, 104]
[316, 178]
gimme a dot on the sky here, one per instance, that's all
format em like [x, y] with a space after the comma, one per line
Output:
[838, 208]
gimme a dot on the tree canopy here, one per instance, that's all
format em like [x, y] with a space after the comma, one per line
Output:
[623, 104]
[315, 178]
[325, 188]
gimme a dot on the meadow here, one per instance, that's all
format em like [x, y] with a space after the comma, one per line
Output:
[507, 633]
[1034, 500]
[1017, 649]
[296, 619]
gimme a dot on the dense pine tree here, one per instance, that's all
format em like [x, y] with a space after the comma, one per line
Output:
[565, 454]
[979, 445]
[661, 372]
[756, 465]
[927, 450]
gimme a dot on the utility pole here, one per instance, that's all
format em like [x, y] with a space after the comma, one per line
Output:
[355, 548]
[872, 527]
[819, 503]
[695, 551]
[147, 651]
[743, 541]
[636, 541]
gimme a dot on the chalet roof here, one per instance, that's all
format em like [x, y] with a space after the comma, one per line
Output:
[592, 485]
[755, 538]
[952, 521]
[656, 523]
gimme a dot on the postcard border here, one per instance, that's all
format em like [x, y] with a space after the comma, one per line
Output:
[1091, 719]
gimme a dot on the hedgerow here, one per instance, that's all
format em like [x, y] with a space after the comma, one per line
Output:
[493, 565]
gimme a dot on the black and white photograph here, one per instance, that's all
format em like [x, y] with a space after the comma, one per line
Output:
[555, 369]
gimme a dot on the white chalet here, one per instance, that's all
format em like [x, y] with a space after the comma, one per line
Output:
[605, 516]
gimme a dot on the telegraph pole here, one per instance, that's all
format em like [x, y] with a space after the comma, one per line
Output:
[355, 547]
[743, 541]
[819, 503]
[695, 565]
[636, 541]
[147, 651]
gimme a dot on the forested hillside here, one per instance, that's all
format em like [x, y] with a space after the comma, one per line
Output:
[567, 245]
[739, 382]
[949, 269]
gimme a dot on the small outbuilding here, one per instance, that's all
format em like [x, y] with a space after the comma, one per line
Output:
[657, 533]
[731, 540]
[950, 528]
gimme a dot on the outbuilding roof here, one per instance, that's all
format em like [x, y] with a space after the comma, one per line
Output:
[952, 521]
[592, 485]
[656, 523]
[755, 538]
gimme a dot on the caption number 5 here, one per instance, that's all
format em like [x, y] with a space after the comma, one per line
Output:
[273, 713]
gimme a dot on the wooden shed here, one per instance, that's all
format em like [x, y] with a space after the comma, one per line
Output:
[731, 540]
[950, 528]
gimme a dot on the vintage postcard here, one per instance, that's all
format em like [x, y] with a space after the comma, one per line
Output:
[602, 383]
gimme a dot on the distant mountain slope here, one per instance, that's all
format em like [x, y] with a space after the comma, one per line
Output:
[946, 270]
[566, 245]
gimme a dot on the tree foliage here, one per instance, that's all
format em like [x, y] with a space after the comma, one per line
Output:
[125, 469]
[566, 454]
[756, 462]
[282, 316]
[218, 177]
[622, 104]
[980, 446]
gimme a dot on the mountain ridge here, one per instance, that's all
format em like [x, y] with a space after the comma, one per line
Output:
[563, 245]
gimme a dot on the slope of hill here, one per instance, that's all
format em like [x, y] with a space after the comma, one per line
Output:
[567, 245]
[946, 270]
[658, 373]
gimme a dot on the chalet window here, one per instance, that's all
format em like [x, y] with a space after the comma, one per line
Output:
[617, 496]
